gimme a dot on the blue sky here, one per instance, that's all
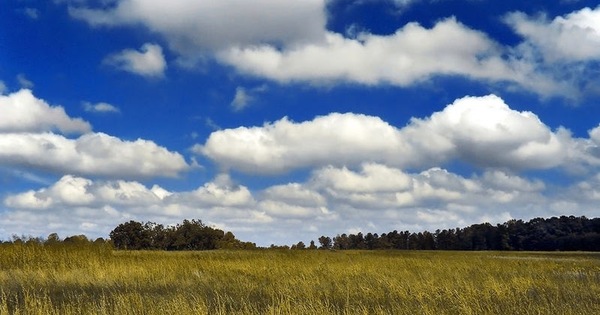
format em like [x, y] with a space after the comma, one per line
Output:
[285, 120]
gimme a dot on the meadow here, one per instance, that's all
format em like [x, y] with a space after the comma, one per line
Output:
[36, 279]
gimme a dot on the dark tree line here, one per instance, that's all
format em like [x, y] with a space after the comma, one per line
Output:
[557, 233]
[54, 240]
[539, 234]
[189, 235]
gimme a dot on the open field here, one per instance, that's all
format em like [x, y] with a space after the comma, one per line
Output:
[97, 280]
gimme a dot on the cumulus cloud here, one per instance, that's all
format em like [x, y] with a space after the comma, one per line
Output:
[285, 145]
[23, 112]
[483, 131]
[28, 140]
[70, 204]
[149, 61]
[584, 153]
[287, 41]
[77, 191]
[90, 154]
[296, 194]
[573, 37]
[383, 199]
[101, 107]
[381, 187]
[565, 49]
[373, 177]
[197, 27]
[411, 55]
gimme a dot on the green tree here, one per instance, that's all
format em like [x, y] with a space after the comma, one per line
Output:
[52, 239]
[300, 245]
[341, 242]
[77, 240]
[325, 242]
[130, 235]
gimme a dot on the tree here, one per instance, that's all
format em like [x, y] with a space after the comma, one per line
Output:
[52, 239]
[194, 235]
[130, 235]
[341, 242]
[325, 242]
[300, 245]
[77, 240]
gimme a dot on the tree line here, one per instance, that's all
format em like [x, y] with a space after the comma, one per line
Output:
[189, 235]
[557, 233]
[565, 233]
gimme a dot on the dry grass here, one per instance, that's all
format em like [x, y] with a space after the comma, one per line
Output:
[95, 280]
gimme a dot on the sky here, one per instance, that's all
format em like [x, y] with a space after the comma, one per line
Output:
[285, 120]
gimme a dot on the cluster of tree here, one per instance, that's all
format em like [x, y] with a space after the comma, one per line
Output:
[189, 235]
[54, 239]
[556, 233]
[563, 233]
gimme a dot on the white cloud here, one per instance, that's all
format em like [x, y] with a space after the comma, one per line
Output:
[384, 199]
[285, 145]
[241, 99]
[73, 201]
[507, 182]
[214, 194]
[574, 37]
[565, 49]
[245, 96]
[373, 177]
[72, 191]
[420, 198]
[24, 82]
[296, 194]
[411, 55]
[27, 140]
[101, 107]
[3, 87]
[288, 41]
[149, 61]
[195, 27]
[482, 131]
[486, 132]
[584, 154]
[23, 112]
[91, 154]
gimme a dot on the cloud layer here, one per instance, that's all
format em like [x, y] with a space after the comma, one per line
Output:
[411, 55]
[477, 159]
[483, 131]
[196, 28]
[288, 41]
[372, 197]
[23, 112]
[573, 38]
[31, 136]
[365, 175]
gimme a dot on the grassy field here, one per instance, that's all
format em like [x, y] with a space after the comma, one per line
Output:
[96, 280]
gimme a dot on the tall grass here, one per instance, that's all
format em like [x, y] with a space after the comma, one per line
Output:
[95, 280]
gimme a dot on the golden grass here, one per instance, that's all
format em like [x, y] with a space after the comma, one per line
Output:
[95, 280]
